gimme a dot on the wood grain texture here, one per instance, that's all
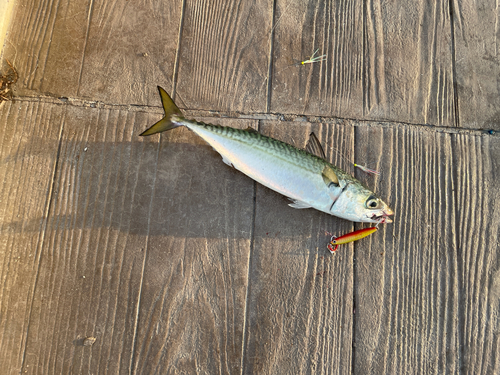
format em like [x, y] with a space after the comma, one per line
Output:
[407, 277]
[130, 49]
[46, 44]
[427, 294]
[385, 60]
[195, 278]
[390, 61]
[224, 55]
[120, 254]
[477, 63]
[300, 305]
[477, 164]
[333, 87]
[29, 138]
[92, 255]
[115, 52]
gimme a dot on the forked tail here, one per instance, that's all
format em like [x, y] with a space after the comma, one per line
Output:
[166, 122]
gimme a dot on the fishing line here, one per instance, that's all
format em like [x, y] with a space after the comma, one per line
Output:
[351, 162]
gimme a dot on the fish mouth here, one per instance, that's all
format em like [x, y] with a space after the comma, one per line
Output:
[383, 218]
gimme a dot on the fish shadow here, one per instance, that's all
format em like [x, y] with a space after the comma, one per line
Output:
[179, 187]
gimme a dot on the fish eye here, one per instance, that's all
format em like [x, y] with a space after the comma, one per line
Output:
[372, 202]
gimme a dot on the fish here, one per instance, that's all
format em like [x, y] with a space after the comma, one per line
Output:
[304, 176]
[350, 237]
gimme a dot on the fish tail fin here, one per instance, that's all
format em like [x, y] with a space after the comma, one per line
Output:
[166, 122]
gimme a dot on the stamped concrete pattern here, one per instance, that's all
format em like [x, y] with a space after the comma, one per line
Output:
[128, 255]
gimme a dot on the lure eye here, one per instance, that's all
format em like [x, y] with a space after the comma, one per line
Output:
[372, 203]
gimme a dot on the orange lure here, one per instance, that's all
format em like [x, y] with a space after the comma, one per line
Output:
[350, 237]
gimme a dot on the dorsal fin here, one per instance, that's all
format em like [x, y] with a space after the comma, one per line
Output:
[329, 176]
[314, 146]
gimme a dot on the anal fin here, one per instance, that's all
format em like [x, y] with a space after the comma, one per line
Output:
[227, 161]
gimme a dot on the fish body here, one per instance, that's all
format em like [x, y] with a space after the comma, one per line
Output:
[307, 179]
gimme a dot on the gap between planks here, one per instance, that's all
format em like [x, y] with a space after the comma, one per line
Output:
[253, 116]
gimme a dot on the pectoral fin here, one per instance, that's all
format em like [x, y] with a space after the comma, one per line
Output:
[329, 176]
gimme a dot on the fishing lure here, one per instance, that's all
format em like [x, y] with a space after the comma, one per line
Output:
[313, 59]
[350, 237]
[366, 169]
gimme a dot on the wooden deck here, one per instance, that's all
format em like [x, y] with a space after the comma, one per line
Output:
[178, 264]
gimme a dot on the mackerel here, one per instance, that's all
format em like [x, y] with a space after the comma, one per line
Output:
[303, 176]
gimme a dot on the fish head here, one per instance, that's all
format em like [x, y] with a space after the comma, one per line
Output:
[357, 203]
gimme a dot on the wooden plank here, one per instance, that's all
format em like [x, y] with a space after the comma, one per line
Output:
[478, 225]
[224, 56]
[118, 53]
[29, 138]
[131, 48]
[477, 63]
[92, 254]
[114, 52]
[46, 43]
[383, 61]
[407, 275]
[333, 87]
[121, 53]
[300, 303]
[195, 279]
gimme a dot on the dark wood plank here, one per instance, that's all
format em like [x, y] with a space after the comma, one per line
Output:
[300, 303]
[29, 138]
[477, 165]
[193, 298]
[477, 63]
[407, 275]
[224, 55]
[384, 61]
[92, 255]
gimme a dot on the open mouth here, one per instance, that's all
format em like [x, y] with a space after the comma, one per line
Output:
[382, 218]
